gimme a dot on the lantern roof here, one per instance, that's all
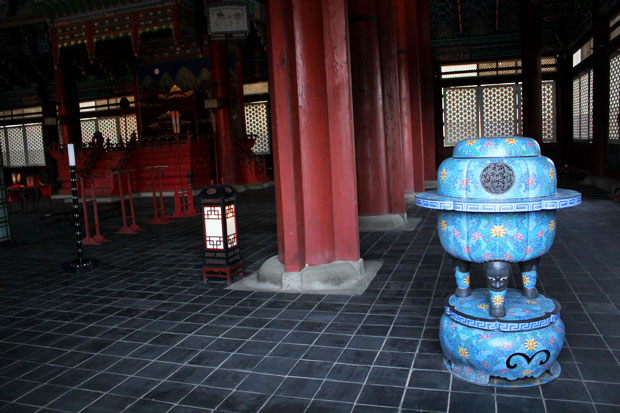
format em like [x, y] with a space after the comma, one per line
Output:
[217, 193]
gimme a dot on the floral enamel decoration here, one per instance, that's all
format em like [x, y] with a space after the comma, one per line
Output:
[498, 231]
[531, 344]
[497, 300]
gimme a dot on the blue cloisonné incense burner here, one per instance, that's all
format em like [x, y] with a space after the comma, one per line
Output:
[497, 199]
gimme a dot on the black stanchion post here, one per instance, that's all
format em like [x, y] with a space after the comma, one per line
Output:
[81, 264]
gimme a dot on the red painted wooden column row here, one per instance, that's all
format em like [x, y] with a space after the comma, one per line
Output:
[376, 103]
[224, 136]
[415, 94]
[312, 127]
[388, 45]
[370, 151]
[405, 100]
[426, 100]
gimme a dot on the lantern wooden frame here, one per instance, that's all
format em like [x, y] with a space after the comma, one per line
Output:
[220, 236]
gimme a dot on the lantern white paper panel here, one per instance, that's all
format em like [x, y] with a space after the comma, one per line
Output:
[212, 217]
[231, 225]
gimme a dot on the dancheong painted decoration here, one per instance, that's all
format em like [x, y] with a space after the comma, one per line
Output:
[496, 200]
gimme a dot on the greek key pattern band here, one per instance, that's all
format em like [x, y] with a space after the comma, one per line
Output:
[517, 206]
[502, 325]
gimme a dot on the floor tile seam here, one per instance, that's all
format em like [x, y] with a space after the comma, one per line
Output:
[590, 318]
[309, 347]
[428, 312]
[51, 401]
[385, 339]
[568, 345]
[135, 376]
[273, 394]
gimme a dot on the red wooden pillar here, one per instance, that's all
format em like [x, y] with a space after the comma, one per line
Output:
[405, 101]
[240, 94]
[224, 135]
[532, 77]
[600, 91]
[388, 45]
[417, 133]
[312, 128]
[370, 150]
[67, 101]
[427, 106]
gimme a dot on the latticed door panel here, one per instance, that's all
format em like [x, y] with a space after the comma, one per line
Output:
[257, 123]
[498, 115]
[88, 127]
[109, 129]
[583, 107]
[3, 147]
[614, 99]
[576, 107]
[519, 112]
[460, 114]
[128, 125]
[548, 112]
[17, 153]
[590, 104]
[34, 143]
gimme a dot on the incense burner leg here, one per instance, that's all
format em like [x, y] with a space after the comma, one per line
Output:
[497, 273]
[529, 273]
[461, 273]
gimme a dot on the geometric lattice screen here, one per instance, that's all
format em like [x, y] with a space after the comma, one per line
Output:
[22, 145]
[492, 110]
[5, 230]
[582, 107]
[257, 123]
[614, 99]
[460, 111]
[548, 112]
[116, 128]
[499, 110]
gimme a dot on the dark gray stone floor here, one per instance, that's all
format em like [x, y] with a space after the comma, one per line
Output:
[143, 334]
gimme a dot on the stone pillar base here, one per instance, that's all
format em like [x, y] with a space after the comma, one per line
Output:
[410, 198]
[338, 277]
[372, 223]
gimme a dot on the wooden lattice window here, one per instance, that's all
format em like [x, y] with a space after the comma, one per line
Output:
[582, 107]
[22, 145]
[114, 128]
[493, 110]
[257, 123]
[614, 99]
